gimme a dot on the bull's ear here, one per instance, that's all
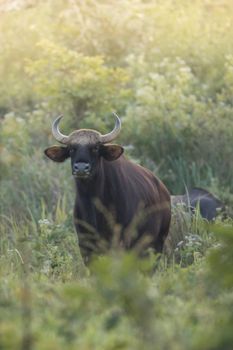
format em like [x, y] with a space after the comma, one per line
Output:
[57, 153]
[111, 152]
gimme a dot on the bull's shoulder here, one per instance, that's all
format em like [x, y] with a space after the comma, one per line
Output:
[141, 179]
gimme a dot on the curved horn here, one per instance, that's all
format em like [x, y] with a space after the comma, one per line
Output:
[56, 132]
[113, 134]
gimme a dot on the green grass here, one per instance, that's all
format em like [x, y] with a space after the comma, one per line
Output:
[50, 300]
[166, 68]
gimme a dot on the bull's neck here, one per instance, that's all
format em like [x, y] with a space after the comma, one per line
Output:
[91, 187]
[85, 186]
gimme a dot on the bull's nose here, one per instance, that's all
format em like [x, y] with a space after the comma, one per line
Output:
[81, 168]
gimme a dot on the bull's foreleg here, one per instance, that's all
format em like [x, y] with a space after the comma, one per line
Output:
[87, 238]
[86, 228]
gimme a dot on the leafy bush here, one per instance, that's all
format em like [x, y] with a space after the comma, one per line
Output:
[81, 85]
[118, 304]
[190, 236]
[166, 68]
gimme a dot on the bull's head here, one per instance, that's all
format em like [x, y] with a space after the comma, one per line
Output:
[85, 147]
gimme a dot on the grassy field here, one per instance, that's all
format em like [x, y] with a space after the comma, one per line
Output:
[49, 300]
[166, 67]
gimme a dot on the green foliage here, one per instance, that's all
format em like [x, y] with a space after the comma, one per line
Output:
[116, 305]
[69, 81]
[183, 121]
[220, 257]
[119, 302]
[189, 236]
[166, 68]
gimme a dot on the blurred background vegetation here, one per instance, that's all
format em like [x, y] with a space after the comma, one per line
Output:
[166, 67]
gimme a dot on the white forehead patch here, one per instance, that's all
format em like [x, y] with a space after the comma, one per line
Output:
[84, 137]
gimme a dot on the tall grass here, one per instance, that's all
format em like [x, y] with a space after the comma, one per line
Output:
[166, 68]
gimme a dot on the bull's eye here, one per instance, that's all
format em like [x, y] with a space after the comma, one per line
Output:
[72, 151]
[95, 149]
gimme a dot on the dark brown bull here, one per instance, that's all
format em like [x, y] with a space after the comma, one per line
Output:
[109, 185]
[208, 204]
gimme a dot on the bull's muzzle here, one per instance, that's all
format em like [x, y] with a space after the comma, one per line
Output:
[81, 170]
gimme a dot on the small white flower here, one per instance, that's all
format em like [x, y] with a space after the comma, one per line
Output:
[44, 222]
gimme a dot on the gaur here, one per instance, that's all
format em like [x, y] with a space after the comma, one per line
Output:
[110, 186]
[208, 204]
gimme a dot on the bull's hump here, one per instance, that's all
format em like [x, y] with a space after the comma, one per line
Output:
[84, 137]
